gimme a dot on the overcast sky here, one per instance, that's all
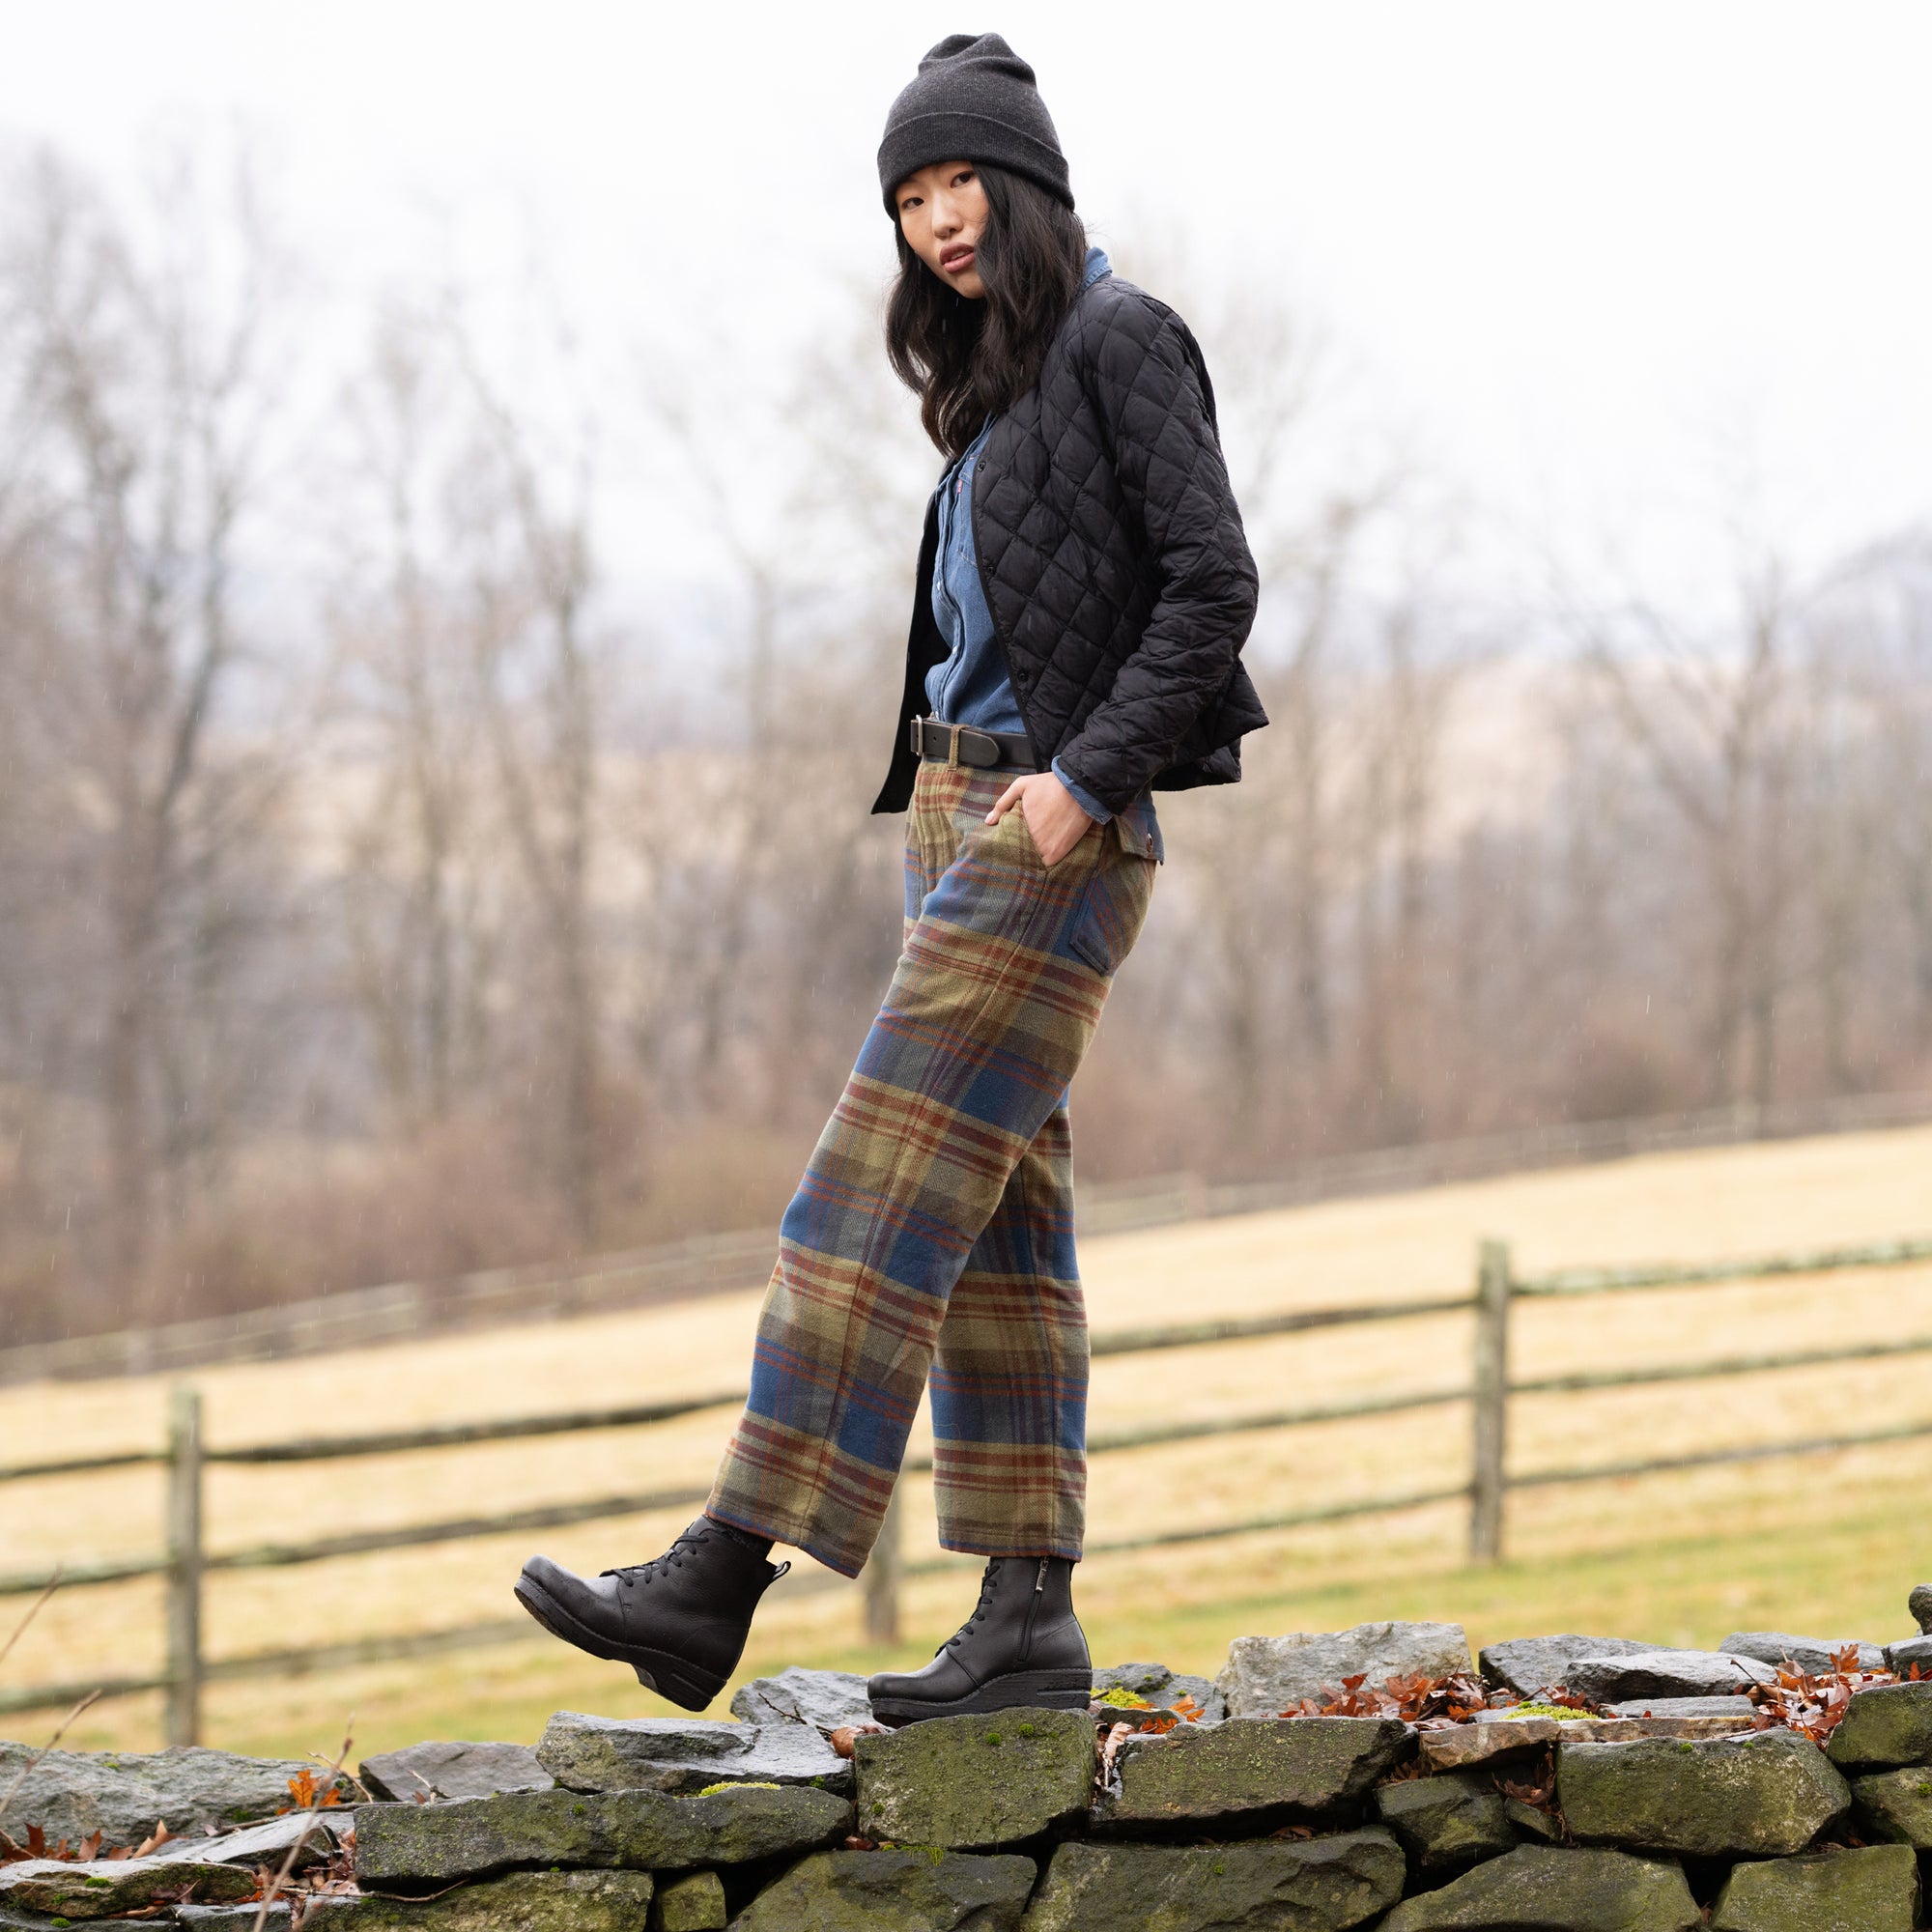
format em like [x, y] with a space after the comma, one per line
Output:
[1582, 248]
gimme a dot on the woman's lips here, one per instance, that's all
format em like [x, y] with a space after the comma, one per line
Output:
[957, 261]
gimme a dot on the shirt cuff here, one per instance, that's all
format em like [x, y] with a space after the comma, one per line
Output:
[1084, 799]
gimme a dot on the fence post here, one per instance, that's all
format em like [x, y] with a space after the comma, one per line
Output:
[183, 1612]
[881, 1580]
[1491, 1384]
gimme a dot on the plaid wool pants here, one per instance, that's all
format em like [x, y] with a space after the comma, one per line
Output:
[934, 1226]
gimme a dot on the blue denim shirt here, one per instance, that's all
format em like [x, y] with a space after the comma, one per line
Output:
[970, 685]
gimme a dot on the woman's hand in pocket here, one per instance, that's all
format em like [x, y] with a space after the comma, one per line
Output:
[1056, 823]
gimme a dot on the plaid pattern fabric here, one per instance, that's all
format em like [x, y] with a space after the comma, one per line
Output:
[937, 1212]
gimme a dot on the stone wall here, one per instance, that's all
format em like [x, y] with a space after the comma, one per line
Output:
[1561, 1784]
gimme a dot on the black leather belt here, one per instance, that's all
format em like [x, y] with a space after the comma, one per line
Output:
[965, 745]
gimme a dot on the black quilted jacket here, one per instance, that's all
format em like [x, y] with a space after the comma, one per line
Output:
[1114, 564]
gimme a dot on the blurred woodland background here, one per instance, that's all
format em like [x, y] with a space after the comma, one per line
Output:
[391, 883]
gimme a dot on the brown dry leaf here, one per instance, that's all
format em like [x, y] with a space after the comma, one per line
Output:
[1430, 1703]
[1813, 1705]
[1539, 1792]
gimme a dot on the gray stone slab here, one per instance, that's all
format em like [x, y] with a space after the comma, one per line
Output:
[685, 1754]
[1874, 1890]
[269, 1841]
[1447, 1822]
[1457, 1746]
[1665, 1673]
[124, 1794]
[1541, 1826]
[459, 1768]
[417, 1846]
[1250, 1769]
[1162, 1687]
[826, 1699]
[1900, 1657]
[1811, 1654]
[531, 1901]
[1896, 1805]
[693, 1903]
[235, 1918]
[1541, 1888]
[105, 1889]
[1767, 1794]
[970, 1784]
[12, 1920]
[1531, 1664]
[1311, 1884]
[893, 1892]
[1740, 1711]
[1267, 1675]
[1885, 1727]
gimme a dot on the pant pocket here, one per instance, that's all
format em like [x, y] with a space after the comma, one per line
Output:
[1112, 909]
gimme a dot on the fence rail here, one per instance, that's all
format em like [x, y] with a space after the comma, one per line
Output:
[722, 1264]
[187, 1562]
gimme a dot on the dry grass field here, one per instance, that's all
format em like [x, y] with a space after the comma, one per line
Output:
[1829, 1542]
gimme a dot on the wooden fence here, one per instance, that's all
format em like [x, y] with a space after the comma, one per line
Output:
[703, 1264]
[187, 1562]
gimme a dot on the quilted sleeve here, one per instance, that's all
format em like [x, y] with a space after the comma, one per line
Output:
[1150, 387]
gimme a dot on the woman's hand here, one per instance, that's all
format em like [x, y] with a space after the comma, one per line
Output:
[1054, 821]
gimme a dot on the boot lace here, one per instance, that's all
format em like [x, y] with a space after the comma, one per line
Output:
[687, 1542]
[658, 1566]
[979, 1609]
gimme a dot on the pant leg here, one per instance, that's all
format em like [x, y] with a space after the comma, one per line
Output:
[991, 1009]
[1010, 1379]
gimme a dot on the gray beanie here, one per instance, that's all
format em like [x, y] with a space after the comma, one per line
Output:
[972, 99]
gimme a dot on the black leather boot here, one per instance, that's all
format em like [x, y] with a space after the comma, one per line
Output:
[1021, 1645]
[680, 1621]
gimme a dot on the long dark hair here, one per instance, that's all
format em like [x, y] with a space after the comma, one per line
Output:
[966, 360]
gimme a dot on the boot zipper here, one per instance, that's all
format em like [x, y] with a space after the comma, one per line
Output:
[1032, 1606]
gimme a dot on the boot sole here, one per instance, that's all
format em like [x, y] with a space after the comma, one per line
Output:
[1037, 1689]
[658, 1670]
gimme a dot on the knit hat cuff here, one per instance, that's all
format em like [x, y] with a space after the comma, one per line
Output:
[950, 135]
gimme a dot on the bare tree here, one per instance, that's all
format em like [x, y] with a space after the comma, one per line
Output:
[142, 407]
[422, 920]
[531, 575]
[1724, 733]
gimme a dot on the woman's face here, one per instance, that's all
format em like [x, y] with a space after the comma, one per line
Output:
[943, 213]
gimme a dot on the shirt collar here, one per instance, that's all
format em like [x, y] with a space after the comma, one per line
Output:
[1098, 265]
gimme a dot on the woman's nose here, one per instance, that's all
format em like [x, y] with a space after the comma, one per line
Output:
[945, 216]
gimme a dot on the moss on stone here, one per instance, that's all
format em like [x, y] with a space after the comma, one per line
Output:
[955, 1783]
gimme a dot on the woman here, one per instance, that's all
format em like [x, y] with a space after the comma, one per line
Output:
[1084, 593]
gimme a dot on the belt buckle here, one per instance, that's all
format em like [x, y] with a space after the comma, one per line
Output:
[954, 739]
[953, 731]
